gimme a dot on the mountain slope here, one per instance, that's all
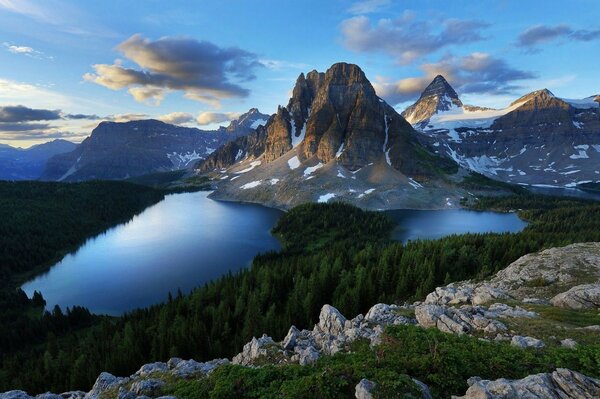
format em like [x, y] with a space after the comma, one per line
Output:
[28, 164]
[122, 150]
[336, 140]
[539, 139]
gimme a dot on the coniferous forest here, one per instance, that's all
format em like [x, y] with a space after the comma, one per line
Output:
[332, 253]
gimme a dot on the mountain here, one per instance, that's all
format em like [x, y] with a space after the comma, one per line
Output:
[29, 163]
[439, 96]
[121, 150]
[246, 123]
[336, 139]
[539, 139]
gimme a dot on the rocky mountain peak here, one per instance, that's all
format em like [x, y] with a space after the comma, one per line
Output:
[440, 87]
[247, 122]
[438, 96]
[543, 95]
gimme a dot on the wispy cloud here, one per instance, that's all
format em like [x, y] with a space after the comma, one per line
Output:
[202, 70]
[368, 6]
[207, 118]
[24, 50]
[177, 118]
[535, 36]
[406, 38]
[476, 73]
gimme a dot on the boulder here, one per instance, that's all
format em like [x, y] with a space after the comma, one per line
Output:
[149, 387]
[254, 349]
[586, 296]
[526, 342]
[173, 362]
[568, 343]
[307, 355]
[105, 382]
[364, 389]
[151, 368]
[331, 321]
[560, 384]
[383, 314]
[289, 342]
[458, 321]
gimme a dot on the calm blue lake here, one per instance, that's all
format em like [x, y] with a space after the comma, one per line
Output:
[188, 239]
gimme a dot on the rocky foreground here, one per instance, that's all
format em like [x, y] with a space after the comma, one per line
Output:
[511, 306]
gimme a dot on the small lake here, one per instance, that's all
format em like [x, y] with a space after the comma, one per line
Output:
[416, 224]
[187, 240]
[182, 242]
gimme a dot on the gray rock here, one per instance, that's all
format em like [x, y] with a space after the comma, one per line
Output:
[364, 389]
[568, 343]
[151, 368]
[307, 355]
[253, 350]
[458, 321]
[149, 387]
[586, 296]
[503, 310]
[526, 342]
[15, 395]
[188, 368]
[560, 384]
[386, 315]
[126, 394]
[48, 395]
[425, 393]
[173, 362]
[73, 395]
[105, 382]
[289, 342]
[331, 321]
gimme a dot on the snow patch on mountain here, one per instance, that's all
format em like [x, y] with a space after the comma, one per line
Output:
[294, 163]
[250, 185]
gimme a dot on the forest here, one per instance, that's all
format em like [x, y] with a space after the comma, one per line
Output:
[332, 253]
[39, 224]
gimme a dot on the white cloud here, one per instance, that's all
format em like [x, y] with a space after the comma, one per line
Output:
[206, 118]
[177, 118]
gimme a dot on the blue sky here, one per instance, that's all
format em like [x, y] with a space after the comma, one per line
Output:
[201, 63]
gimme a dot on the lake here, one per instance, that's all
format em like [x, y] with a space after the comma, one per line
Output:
[182, 242]
[188, 239]
[415, 224]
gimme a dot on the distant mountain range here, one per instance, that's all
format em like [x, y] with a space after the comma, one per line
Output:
[29, 163]
[539, 139]
[336, 139]
[122, 150]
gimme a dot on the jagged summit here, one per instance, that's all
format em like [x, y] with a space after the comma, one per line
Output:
[438, 96]
[247, 122]
[543, 94]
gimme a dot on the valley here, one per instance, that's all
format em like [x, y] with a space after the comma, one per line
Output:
[357, 199]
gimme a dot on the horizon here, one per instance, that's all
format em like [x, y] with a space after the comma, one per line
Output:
[80, 64]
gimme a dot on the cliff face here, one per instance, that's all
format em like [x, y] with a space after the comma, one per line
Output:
[250, 146]
[337, 115]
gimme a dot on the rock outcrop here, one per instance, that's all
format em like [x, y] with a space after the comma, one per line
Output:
[560, 384]
[585, 296]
